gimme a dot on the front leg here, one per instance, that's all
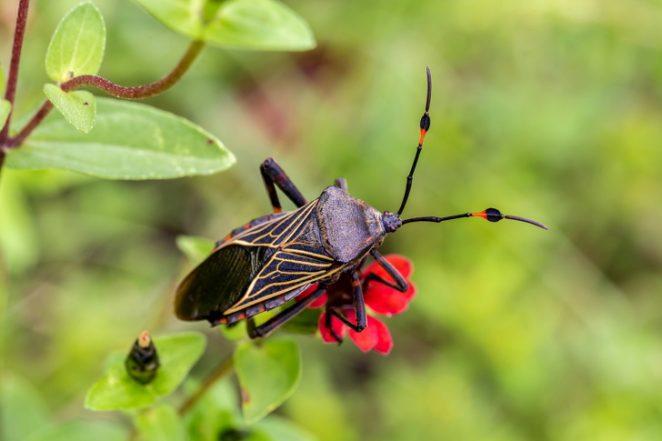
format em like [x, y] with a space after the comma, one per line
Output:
[273, 177]
[400, 282]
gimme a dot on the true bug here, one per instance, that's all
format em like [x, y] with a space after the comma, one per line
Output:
[273, 258]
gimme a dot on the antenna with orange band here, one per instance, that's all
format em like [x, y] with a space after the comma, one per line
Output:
[425, 126]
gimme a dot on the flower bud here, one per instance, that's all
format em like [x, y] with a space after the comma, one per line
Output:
[142, 363]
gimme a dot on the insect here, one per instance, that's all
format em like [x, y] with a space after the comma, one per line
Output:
[274, 258]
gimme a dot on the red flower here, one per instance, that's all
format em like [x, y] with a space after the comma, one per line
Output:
[380, 299]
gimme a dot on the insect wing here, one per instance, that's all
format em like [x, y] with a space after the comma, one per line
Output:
[299, 260]
[219, 281]
[287, 273]
[272, 261]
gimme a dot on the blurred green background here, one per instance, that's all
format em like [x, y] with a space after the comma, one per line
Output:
[548, 109]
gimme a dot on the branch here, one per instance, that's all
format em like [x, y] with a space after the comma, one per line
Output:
[12, 79]
[113, 89]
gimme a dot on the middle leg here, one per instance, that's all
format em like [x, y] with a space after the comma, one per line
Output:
[358, 305]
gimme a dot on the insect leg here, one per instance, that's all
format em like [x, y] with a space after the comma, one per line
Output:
[342, 184]
[282, 317]
[327, 324]
[273, 177]
[359, 306]
[400, 282]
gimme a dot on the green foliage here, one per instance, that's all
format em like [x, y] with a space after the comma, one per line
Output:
[78, 44]
[268, 374]
[275, 428]
[240, 24]
[117, 391]
[305, 323]
[129, 141]
[78, 107]
[80, 431]
[195, 248]
[160, 424]
[216, 413]
[259, 25]
[22, 410]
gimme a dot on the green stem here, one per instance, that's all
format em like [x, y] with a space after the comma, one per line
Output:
[223, 369]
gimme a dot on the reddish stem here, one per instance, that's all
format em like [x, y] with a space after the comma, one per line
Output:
[12, 79]
[130, 93]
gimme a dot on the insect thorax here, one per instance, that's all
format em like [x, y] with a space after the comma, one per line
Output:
[349, 226]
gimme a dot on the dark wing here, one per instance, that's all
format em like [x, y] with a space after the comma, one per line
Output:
[275, 260]
[219, 281]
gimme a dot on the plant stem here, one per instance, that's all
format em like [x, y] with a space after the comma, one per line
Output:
[12, 78]
[139, 92]
[113, 89]
[221, 371]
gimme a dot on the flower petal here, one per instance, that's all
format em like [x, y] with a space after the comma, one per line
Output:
[384, 339]
[338, 327]
[388, 301]
[367, 339]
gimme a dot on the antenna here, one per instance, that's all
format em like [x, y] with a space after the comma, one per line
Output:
[425, 126]
[490, 214]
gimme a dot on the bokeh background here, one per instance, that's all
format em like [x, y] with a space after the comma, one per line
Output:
[548, 109]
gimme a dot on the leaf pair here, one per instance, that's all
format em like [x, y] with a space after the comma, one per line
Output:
[240, 24]
[76, 48]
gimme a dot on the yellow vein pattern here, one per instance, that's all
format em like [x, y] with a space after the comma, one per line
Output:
[297, 262]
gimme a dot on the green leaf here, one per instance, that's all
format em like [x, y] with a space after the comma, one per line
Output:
[161, 424]
[78, 44]
[79, 108]
[183, 16]
[195, 248]
[304, 323]
[268, 375]
[214, 412]
[117, 391]
[5, 110]
[241, 24]
[129, 141]
[235, 332]
[259, 24]
[22, 410]
[80, 431]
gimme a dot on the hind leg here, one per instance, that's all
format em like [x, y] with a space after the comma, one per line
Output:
[273, 177]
